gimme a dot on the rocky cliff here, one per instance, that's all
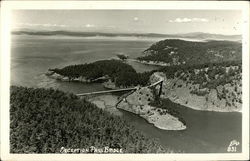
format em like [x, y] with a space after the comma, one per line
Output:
[183, 90]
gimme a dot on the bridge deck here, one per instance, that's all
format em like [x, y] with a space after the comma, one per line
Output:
[116, 90]
[108, 91]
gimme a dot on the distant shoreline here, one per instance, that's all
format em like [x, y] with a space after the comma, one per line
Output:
[195, 35]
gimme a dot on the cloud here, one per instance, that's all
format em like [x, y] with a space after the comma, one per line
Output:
[111, 26]
[89, 25]
[42, 25]
[53, 25]
[187, 20]
[136, 19]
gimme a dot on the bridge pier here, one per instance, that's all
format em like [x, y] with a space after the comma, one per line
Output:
[160, 90]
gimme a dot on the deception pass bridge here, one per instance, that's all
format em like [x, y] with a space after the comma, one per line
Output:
[123, 90]
[130, 90]
[133, 89]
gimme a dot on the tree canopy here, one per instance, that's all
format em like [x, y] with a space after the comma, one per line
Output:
[119, 72]
[176, 50]
[44, 120]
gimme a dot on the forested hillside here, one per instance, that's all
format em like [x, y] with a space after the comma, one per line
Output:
[213, 86]
[44, 120]
[177, 52]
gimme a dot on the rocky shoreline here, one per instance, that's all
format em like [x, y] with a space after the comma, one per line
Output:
[59, 77]
[105, 80]
[153, 115]
[152, 63]
[139, 103]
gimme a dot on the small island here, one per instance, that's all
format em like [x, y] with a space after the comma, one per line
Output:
[115, 73]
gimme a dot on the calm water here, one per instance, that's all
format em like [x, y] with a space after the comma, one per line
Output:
[33, 55]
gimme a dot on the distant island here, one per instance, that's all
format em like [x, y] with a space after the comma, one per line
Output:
[194, 35]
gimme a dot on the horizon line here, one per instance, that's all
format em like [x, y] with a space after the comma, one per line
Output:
[132, 33]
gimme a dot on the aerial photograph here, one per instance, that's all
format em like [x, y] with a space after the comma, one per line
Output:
[125, 81]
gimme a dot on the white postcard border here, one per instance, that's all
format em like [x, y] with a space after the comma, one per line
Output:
[8, 6]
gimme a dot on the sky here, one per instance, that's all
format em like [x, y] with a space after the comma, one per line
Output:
[226, 22]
